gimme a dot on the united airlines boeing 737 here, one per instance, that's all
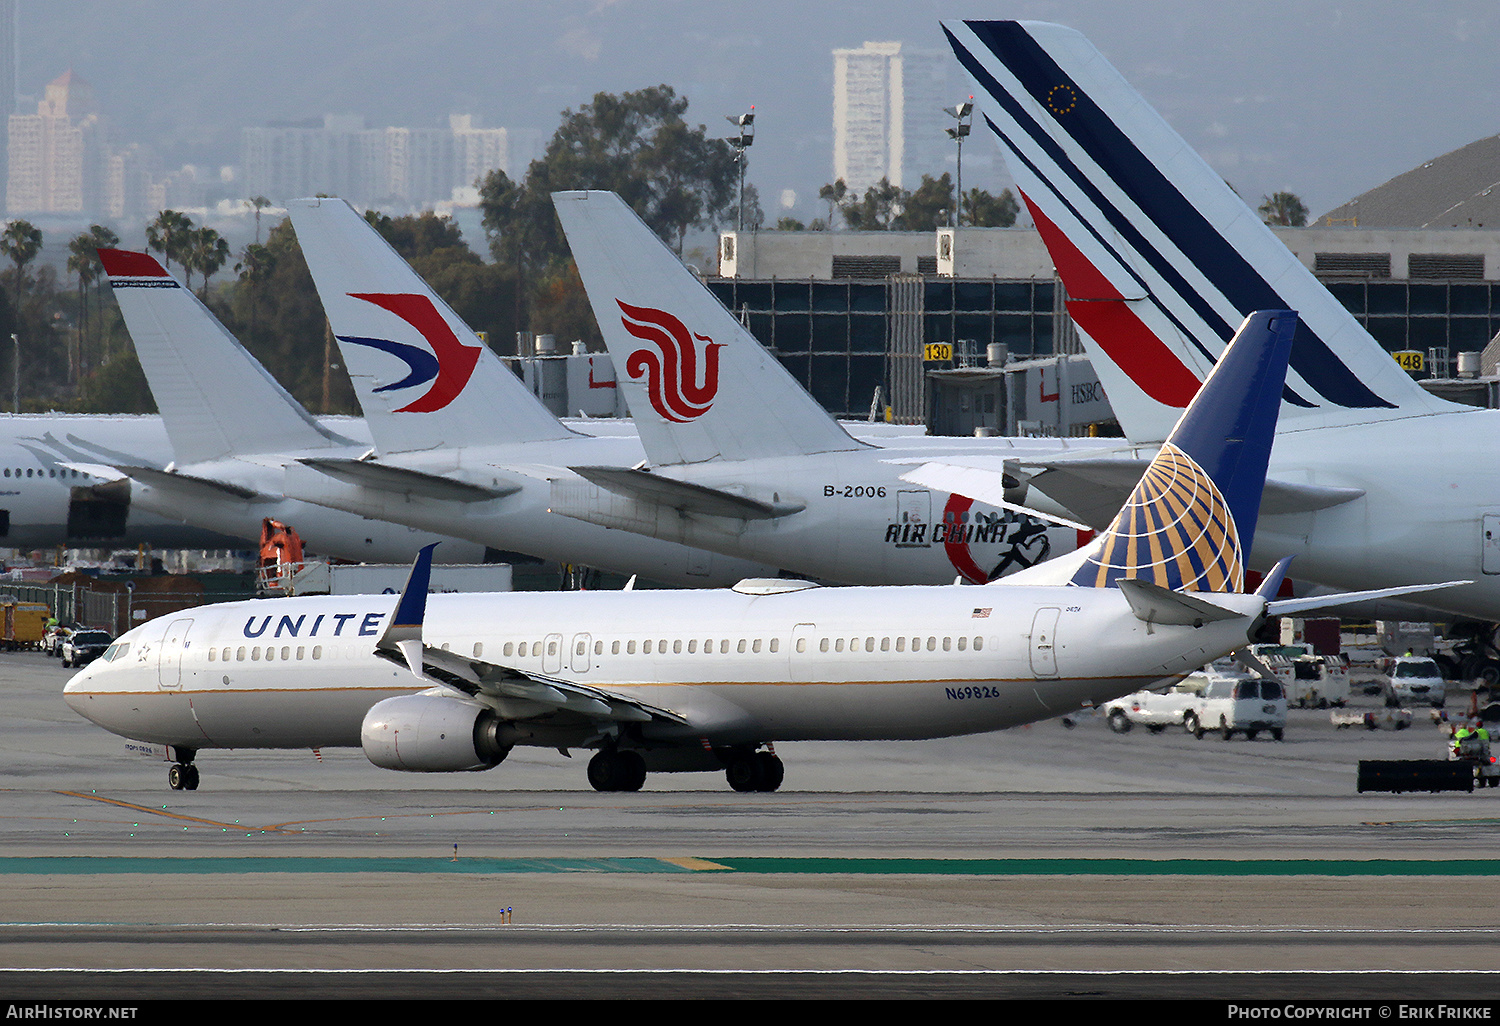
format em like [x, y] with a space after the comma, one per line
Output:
[698, 680]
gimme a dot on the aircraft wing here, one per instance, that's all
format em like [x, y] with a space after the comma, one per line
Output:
[685, 496]
[518, 694]
[191, 484]
[510, 686]
[386, 477]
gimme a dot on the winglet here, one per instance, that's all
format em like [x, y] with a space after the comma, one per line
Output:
[1272, 582]
[411, 610]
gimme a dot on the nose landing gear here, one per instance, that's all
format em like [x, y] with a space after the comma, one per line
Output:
[183, 776]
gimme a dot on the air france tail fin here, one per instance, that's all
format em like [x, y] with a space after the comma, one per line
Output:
[1190, 522]
[699, 385]
[423, 378]
[1159, 257]
[215, 399]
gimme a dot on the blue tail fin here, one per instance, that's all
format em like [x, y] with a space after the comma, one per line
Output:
[1190, 522]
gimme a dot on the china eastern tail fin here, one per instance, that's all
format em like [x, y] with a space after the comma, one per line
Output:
[1190, 522]
[215, 399]
[423, 378]
[1161, 261]
[699, 385]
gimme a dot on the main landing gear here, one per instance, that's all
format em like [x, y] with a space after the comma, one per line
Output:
[183, 776]
[754, 771]
[613, 770]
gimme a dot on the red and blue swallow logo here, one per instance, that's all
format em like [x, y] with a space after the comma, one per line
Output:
[448, 365]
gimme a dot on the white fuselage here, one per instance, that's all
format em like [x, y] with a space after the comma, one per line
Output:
[1428, 514]
[861, 523]
[843, 663]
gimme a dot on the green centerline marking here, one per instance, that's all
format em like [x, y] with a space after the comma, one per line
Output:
[92, 865]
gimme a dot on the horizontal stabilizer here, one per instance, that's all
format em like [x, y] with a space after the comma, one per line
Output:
[189, 484]
[992, 485]
[405, 481]
[1288, 607]
[684, 496]
[1152, 603]
[1090, 486]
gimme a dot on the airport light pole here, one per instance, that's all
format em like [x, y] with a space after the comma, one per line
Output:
[741, 143]
[963, 112]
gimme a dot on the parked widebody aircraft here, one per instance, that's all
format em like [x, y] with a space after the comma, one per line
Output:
[448, 409]
[460, 445]
[700, 680]
[1373, 481]
[742, 460]
[49, 496]
[232, 429]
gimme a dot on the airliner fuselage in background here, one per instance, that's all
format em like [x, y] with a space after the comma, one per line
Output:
[799, 493]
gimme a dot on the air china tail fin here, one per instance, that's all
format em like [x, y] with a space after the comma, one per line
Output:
[1190, 522]
[215, 399]
[1159, 257]
[699, 385]
[423, 378]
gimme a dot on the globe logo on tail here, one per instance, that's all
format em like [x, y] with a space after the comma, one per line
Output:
[670, 368]
[1176, 531]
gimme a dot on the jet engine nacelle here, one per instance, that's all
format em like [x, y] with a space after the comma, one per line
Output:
[431, 734]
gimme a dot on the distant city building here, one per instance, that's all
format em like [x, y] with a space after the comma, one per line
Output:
[339, 156]
[56, 156]
[9, 86]
[888, 117]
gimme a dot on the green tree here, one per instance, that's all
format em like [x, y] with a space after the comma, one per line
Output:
[1283, 208]
[928, 207]
[637, 144]
[790, 224]
[83, 260]
[877, 210]
[21, 242]
[833, 194]
[204, 251]
[168, 235]
[983, 210]
[257, 203]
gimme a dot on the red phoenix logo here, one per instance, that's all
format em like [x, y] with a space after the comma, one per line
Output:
[671, 369]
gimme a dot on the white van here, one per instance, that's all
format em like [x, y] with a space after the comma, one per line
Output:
[1408, 679]
[1238, 703]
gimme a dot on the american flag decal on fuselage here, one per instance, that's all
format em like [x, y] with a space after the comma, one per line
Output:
[1176, 531]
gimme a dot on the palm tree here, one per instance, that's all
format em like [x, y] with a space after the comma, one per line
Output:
[259, 203]
[83, 260]
[205, 251]
[1283, 208]
[833, 194]
[168, 235]
[21, 241]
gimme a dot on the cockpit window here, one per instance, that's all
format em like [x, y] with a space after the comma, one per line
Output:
[116, 651]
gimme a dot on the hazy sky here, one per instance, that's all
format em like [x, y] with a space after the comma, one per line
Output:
[1324, 99]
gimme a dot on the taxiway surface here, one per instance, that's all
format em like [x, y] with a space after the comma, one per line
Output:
[1040, 861]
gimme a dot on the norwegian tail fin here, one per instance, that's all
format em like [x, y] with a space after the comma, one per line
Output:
[423, 378]
[215, 399]
[1190, 522]
[1159, 257]
[699, 385]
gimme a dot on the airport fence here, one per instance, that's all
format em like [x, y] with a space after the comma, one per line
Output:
[116, 605]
